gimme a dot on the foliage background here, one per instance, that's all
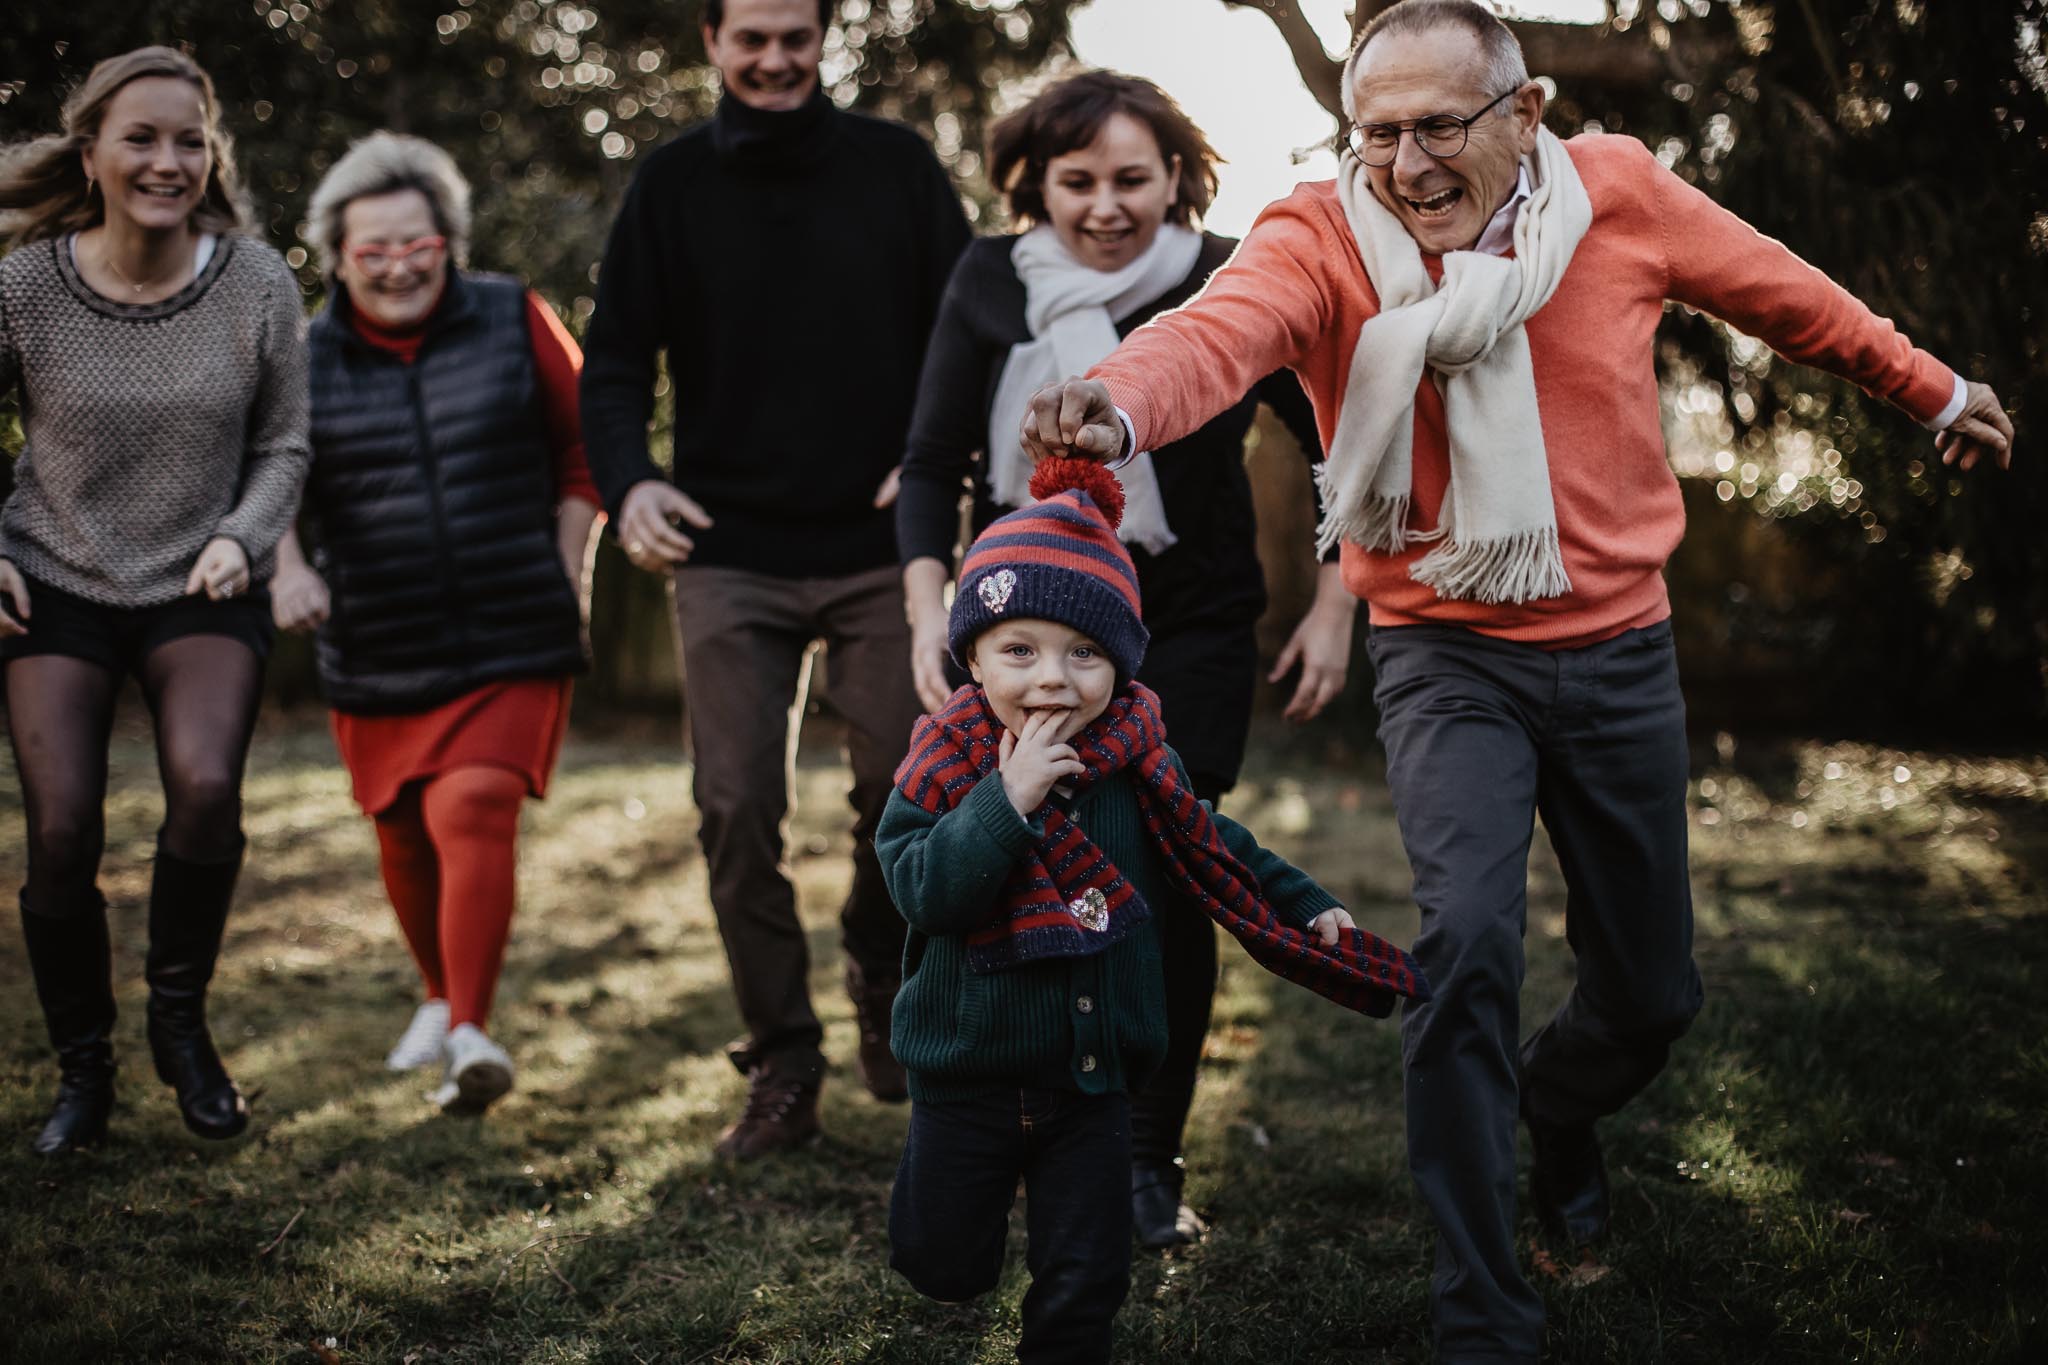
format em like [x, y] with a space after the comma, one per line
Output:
[1836, 578]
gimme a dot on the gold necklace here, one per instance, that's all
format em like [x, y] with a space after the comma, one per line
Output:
[107, 260]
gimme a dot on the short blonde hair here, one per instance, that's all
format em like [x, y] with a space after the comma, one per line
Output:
[385, 163]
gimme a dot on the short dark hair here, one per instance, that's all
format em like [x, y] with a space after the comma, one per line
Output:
[714, 14]
[1071, 114]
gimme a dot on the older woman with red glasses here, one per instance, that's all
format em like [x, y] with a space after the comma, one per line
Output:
[451, 514]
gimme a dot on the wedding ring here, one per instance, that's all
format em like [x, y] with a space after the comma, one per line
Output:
[636, 548]
[227, 590]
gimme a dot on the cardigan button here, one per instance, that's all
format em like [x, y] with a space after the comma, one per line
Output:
[1086, 1004]
[1087, 1061]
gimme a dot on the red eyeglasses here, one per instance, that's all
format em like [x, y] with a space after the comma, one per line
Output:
[420, 255]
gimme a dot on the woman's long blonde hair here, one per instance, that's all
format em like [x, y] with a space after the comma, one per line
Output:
[43, 189]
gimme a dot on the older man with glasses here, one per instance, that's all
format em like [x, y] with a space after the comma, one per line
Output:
[1472, 305]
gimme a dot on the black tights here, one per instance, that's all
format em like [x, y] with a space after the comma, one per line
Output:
[1188, 953]
[202, 691]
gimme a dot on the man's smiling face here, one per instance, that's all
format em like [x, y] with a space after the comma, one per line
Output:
[1445, 205]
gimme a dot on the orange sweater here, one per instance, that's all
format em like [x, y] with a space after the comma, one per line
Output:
[1295, 294]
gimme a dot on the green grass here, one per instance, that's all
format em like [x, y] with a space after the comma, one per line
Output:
[1843, 1162]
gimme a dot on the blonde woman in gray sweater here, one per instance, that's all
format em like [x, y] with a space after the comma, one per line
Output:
[160, 360]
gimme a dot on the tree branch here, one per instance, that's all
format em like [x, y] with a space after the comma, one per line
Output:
[1575, 55]
[1320, 72]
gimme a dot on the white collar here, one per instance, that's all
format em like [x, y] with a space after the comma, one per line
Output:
[1499, 237]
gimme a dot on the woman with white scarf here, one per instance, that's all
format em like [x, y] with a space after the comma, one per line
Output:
[1108, 177]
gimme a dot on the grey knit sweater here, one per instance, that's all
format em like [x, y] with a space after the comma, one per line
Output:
[151, 428]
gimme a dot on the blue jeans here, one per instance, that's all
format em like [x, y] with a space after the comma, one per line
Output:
[950, 1211]
[1481, 736]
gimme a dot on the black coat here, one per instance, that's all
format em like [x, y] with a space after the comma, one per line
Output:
[431, 501]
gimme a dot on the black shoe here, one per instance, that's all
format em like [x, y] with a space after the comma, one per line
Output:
[70, 958]
[188, 909]
[1157, 1215]
[1568, 1181]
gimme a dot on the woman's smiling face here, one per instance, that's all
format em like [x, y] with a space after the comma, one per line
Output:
[1106, 200]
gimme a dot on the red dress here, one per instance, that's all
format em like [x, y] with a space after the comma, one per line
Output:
[517, 724]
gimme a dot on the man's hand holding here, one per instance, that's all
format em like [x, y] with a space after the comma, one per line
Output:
[1030, 762]
[1073, 417]
[1982, 428]
[648, 521]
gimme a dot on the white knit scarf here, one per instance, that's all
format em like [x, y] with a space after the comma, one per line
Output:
[1072, 311]
[1498, 525]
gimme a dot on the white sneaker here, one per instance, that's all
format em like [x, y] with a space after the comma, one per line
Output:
[421, 1044]
[479, 1071]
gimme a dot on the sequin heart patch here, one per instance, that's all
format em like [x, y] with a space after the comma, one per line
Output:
[995, 589]
[1091, 908]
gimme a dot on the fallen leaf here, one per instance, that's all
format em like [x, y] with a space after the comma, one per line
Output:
[1589, 1270]
[1984, 1232]
[1877, 1161]
[327, 1354]
[1546, 1264]
[1851, 1217]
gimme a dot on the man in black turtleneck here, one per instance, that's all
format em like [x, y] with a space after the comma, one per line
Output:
[789, 258]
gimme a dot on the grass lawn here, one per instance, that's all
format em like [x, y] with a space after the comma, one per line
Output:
[1841, 1163]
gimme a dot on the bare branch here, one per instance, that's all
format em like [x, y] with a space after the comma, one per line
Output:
[1575, 55]
[1320, 72]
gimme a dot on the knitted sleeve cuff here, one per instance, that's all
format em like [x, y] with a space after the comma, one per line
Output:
[991, 806]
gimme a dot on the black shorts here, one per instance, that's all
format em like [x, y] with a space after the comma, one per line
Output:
[120, 638]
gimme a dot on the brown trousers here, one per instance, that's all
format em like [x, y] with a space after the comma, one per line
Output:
[746, 639]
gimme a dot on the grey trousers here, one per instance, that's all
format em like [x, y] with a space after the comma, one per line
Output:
[1481, 735]
[745, 637]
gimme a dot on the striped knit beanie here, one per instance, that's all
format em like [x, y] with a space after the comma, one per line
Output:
[1056, 560]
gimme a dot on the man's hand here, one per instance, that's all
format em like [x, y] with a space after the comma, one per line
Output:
[1030, 763]
[13, 601]
[647, 525]
[1982, 428]
[928, 664]
[1321, 644]
[1330, 925]
[298, 597]
[1074, 417]
[222, 570]
[885, 496]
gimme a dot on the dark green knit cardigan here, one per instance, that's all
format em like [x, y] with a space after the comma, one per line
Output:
[1095, 1024]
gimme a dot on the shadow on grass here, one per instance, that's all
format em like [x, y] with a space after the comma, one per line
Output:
[1788, 1190]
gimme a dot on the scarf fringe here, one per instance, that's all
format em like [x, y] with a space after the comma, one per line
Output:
[1378, 523]
[1513, 568]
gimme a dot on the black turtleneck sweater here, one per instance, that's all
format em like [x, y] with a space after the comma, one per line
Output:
[790, 264]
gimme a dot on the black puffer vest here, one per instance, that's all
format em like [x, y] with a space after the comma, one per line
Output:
[433, 498]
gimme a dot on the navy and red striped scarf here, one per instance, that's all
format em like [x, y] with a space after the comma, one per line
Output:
[1066, 899]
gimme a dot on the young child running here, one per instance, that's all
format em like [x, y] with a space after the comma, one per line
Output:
[1039, 829]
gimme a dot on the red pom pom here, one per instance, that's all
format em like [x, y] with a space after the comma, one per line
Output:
[1062, 472]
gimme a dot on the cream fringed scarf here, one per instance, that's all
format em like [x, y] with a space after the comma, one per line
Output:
[1072, 312]
[1498, 526]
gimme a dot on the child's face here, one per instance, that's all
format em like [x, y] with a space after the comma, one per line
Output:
[1028, 666]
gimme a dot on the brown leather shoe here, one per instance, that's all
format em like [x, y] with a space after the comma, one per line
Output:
[781, 1114]
[880, 1072]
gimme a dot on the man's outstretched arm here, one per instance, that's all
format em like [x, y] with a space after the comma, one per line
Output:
[1265, 309]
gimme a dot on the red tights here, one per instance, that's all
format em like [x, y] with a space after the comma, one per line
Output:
[448, 847]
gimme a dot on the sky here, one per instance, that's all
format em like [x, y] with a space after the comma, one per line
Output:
[1230, 70]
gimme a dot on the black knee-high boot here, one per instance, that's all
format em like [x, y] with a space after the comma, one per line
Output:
[72, 962]
[188, 909]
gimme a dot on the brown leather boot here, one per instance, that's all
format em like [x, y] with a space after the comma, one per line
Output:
[880, 1072]
[781, 1114]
